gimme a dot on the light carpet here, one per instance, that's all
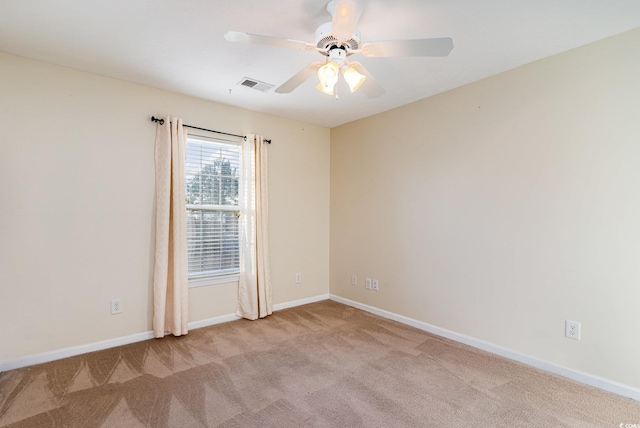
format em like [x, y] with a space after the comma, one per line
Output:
[318, 365]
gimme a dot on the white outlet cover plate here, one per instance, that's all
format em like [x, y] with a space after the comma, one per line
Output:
[116, 306]
[572, 329]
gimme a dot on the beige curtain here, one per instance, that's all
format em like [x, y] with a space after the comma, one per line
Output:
[170, 287]
[254, 290]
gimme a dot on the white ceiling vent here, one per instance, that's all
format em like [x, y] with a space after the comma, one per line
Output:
[255, 84]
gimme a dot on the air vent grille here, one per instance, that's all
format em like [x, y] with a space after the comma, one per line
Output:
[255, 84]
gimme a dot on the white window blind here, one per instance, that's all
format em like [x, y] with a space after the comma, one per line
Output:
[212, 174]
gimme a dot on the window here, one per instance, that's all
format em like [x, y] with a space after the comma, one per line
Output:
[212, 174]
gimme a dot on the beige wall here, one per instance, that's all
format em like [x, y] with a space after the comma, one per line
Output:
[77, 205]
[502, 208]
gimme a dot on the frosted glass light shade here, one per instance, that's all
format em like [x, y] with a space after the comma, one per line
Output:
[328, 73]
[353, 78]
[325, 89]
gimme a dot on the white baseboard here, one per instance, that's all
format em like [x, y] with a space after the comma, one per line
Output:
[585, 378]
[213, 321]
[58, 354]
[287, 305]
[45, 357]
[588, 379]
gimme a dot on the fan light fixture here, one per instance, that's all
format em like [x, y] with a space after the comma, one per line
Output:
[338, 39]
[328, 73]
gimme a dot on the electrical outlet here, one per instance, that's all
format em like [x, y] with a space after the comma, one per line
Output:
[367, 284]
[572, 329]
[354, 280]
[298, 278]
[116, 306]
[375, 285]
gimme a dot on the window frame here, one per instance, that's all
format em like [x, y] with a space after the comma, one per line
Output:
[233, 275]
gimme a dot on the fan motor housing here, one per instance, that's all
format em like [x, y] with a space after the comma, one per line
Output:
[326, 41]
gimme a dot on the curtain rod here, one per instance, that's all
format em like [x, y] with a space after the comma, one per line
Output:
[161, 122]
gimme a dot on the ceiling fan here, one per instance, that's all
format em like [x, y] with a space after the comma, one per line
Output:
[339, 39]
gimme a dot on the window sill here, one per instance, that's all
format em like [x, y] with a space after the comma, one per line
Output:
[204, 282]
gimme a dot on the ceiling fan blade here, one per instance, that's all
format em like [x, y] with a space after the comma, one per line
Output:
[235, 36]
[299, 78]
[370, 87]
[419, 47]
[346, 14]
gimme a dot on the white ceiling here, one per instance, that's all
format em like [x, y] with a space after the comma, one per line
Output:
[179, 45]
